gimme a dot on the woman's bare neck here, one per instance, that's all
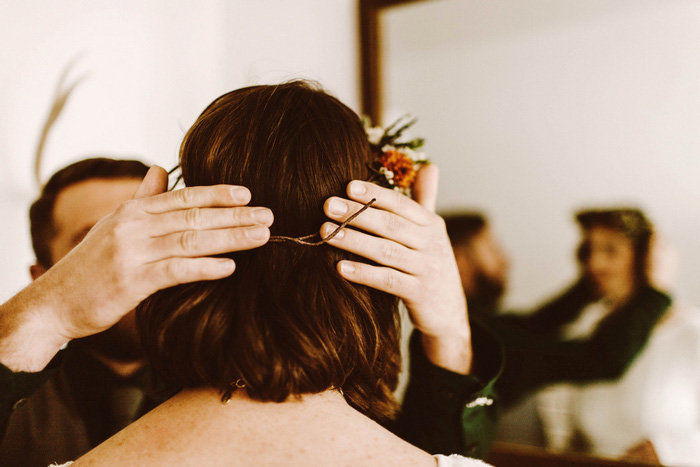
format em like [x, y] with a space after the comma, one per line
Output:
[312, 429]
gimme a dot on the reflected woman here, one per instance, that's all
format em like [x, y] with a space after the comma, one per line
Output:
[633, 356]
[302, 355]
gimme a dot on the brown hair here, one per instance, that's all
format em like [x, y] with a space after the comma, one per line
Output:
[462, 227]
[285, 323]
[630, 222]
[41, 221]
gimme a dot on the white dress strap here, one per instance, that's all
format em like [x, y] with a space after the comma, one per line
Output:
[456, 460]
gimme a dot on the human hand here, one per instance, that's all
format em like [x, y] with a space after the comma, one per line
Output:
[642, 452]
[662, 263]
[410, 243]
[154, 241]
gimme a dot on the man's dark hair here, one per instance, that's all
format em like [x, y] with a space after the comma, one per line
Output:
[463, 226]
[41, 221]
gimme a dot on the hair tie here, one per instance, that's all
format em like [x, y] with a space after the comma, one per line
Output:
[303, 240]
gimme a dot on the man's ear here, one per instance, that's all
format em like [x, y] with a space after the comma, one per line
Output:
[36, 270]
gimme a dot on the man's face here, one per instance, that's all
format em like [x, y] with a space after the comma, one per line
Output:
[77, 209]
[483, 267]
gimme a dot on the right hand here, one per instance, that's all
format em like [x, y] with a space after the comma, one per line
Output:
[154, 241]
[662, 264]
[416, 262]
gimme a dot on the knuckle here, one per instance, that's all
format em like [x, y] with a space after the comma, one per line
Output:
[173, 270]
[184, 197]
[438, 221]
[392, 223]
[120, 232]
[422, 242]
[390, 280]
[188, 241]
[126, 207]
[244, 216]
[389, 252]
[193, 217]
[121, 275]
[400, 201]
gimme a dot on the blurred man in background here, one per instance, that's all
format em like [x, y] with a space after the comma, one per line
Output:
[99, 388]
[482, 263]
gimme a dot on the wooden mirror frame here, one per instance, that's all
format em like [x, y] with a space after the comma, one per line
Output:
[371, 57]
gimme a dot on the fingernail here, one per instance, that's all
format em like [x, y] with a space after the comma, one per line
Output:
[262, 216]
[240, 194]
[327, 229]
[338, 236]
[257, 233]
[357, 188]
[337, 207]
[226, 266]
[346, 268]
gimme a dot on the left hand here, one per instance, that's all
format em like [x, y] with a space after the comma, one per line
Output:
[642, 452]
[410, 242]
[154, 241]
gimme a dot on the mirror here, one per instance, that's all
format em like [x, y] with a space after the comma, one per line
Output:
[534, 109]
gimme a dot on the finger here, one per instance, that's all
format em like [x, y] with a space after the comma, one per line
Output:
[208, 219]
[154, 183]
[174, 271]
[383, 223]
[388, 200]
[379, 250]
[385, 279]
[197, 197]
[194, 243]
[425, 188]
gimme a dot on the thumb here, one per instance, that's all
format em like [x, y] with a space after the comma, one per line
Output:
[154, 183]
[425, 188]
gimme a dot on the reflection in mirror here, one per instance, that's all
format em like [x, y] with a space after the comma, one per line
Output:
[536, 109]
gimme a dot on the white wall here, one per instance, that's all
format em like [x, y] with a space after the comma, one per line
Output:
[152, 66]
[534, 108]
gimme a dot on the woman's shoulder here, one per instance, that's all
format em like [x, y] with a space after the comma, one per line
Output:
[458, 461]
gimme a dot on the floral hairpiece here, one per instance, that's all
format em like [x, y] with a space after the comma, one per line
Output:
[397, 161]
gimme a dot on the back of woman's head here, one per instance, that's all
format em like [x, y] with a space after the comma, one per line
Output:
[285, 323]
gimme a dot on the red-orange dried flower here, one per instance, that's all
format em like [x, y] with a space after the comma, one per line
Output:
[401, 165]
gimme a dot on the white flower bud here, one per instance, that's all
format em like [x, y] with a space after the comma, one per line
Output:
[387, 173]
[374, 135]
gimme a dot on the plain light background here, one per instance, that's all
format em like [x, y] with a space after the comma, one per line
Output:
[534, 109]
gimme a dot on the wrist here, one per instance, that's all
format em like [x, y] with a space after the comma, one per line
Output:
[452, 352]
[29, 336]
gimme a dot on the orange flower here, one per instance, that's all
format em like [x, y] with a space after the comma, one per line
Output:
[401, 165]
